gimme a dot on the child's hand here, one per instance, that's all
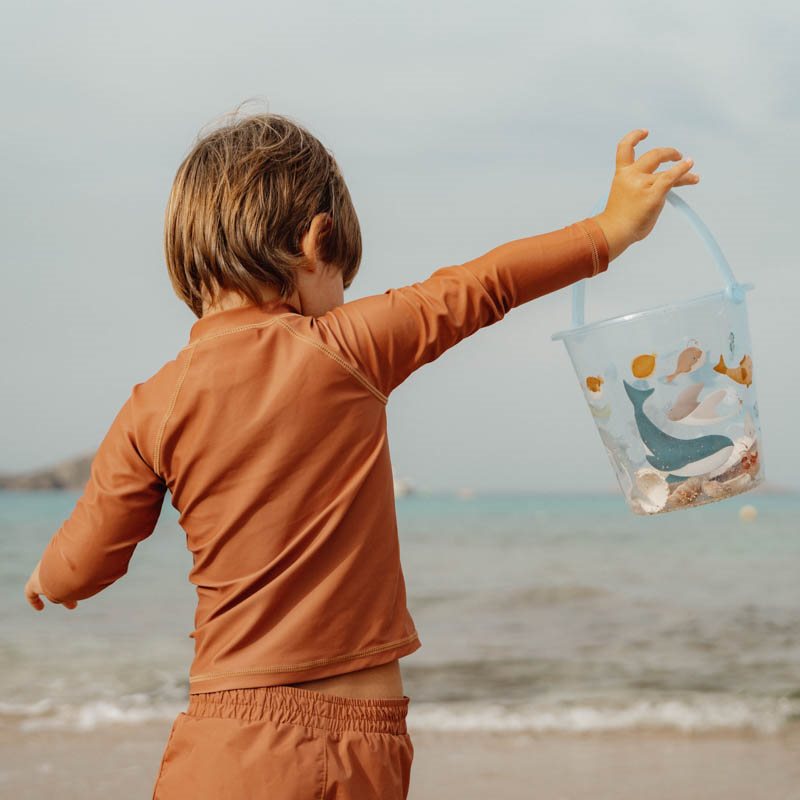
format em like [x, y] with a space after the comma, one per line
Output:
[33, 589]
[638, 193]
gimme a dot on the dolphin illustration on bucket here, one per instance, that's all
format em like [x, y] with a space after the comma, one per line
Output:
[671, 392]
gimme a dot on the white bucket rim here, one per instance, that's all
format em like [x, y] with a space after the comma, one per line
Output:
[582, 329]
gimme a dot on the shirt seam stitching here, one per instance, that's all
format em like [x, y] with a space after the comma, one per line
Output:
[233, 330]
[339, 360]
[207, 676]
[157, 464]
[595, 253]
[595, 256]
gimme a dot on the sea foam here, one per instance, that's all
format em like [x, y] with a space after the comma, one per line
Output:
[696, 715]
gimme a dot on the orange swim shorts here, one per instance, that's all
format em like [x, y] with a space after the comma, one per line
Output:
[286, 743]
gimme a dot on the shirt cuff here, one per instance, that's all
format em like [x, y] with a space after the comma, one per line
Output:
[599, 245]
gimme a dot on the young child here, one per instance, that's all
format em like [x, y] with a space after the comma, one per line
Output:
[268, 428]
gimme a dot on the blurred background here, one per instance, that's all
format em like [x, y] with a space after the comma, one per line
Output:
[561, 634]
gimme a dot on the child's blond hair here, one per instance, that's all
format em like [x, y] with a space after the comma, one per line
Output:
[240, 203]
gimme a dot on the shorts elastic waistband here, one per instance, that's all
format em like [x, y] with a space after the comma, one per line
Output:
[304, 707]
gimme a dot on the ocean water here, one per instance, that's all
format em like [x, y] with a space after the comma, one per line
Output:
[536, 613]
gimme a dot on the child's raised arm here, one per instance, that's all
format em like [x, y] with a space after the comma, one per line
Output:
[392, 334]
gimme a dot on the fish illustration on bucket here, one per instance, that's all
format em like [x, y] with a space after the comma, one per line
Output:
[671, 392]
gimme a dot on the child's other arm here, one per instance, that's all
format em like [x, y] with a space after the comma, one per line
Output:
[119, 507]
[392, 334]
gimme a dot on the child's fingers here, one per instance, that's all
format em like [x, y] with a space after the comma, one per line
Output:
[669, 176]
[34, 599]
[655, 157]
[689, 179]
[625, 154]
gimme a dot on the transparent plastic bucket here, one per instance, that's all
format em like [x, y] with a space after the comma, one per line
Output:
[671, 392]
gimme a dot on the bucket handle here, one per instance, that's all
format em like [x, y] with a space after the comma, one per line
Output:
[733, 290]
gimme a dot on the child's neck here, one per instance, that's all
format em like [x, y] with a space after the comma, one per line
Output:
[229, 299]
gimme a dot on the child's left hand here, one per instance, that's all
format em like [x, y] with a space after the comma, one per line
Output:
[33, 589]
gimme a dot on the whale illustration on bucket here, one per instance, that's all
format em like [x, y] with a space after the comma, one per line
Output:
[671, 392]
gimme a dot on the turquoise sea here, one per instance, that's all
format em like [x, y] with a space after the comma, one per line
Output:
[536, 612]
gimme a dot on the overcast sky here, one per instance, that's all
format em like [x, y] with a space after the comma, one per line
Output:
[458, 126]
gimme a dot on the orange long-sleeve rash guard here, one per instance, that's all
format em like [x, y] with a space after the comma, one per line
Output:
[269, 430]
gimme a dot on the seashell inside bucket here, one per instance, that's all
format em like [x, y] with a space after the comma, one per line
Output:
[652, 490]
[741, 446]
[685, 494]
[720, 489]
